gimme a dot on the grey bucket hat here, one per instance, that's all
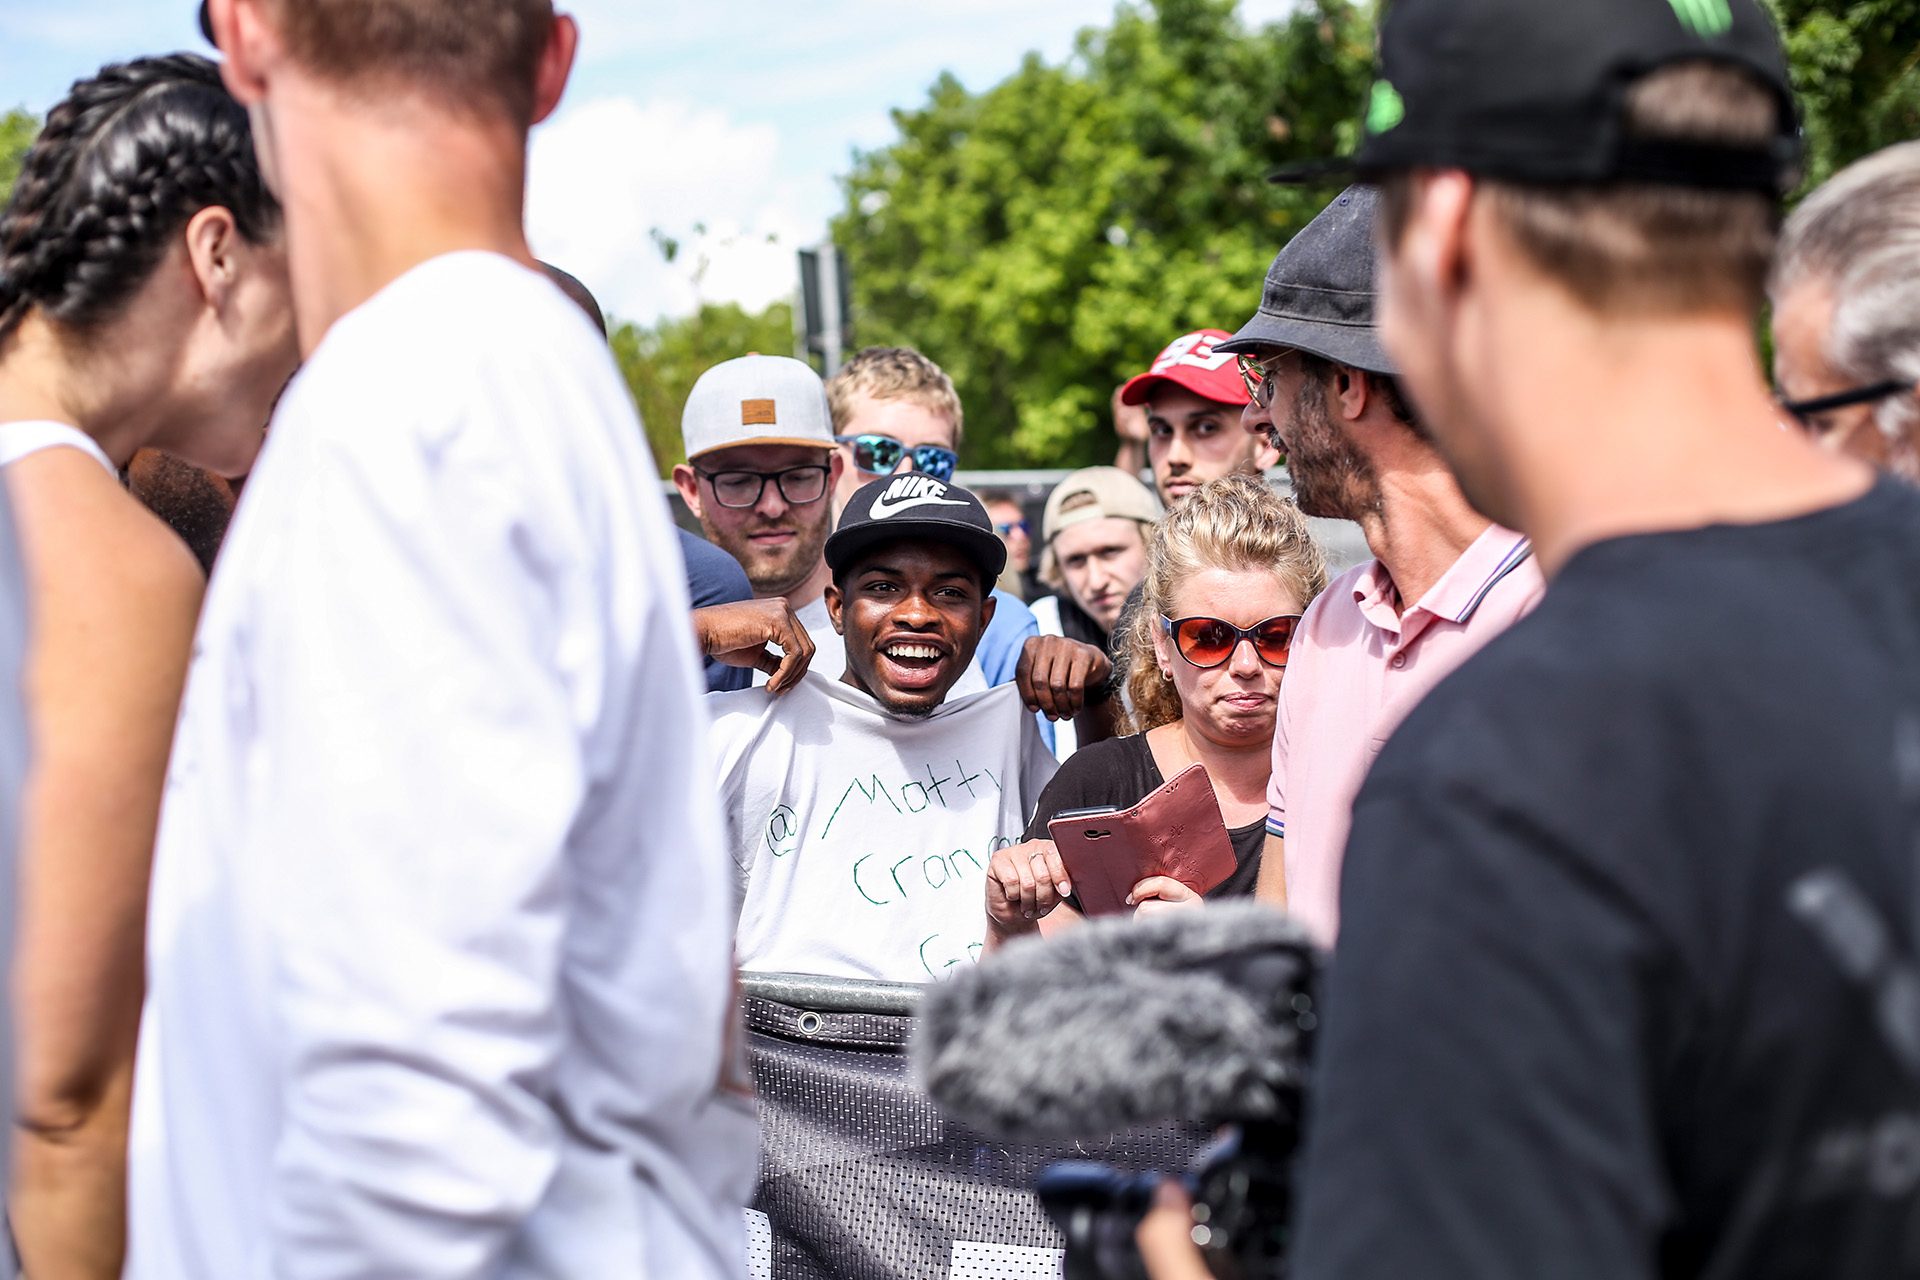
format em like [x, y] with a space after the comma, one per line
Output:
[1319, 294]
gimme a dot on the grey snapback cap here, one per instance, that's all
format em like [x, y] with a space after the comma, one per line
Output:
[1319, 293]
[756, 399]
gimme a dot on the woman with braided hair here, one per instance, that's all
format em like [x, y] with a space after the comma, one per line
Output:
[143, 303]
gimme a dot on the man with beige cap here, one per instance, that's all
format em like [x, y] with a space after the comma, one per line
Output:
[1094, 551]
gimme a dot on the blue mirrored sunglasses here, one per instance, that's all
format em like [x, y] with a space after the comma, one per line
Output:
[878, 455]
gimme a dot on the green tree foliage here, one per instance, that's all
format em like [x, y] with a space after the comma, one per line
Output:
[18, 129]
[1856, 69]
[662, 363]
[1043, 239]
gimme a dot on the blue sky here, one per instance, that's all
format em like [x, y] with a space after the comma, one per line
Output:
[736, 116]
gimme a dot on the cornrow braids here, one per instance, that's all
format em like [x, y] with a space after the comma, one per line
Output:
[122, 164]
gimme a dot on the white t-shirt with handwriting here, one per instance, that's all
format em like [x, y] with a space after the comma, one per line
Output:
[862, 838]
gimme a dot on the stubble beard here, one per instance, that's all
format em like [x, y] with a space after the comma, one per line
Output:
[1331, 478]
[775, 573]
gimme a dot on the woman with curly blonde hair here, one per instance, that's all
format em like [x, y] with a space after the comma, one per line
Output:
[1229, 573]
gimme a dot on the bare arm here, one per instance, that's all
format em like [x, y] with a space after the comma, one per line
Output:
[738, 635]
[114, 597]
[1272, 884]
[1130, 425]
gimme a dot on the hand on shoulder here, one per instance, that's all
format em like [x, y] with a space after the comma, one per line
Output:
[1060, 677]
[738, 634]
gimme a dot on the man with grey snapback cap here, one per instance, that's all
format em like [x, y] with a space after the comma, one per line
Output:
[1444, 579]
[1626, 984]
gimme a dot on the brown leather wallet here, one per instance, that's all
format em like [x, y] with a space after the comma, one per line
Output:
[1176, 830]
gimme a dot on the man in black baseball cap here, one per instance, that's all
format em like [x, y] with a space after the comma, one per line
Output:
[1444, 579]
[1625, 982]
[866, 806]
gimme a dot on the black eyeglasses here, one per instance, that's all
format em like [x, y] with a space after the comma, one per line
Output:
[1805, 411]
[878, 455]
[798, 485]
[1208, 642]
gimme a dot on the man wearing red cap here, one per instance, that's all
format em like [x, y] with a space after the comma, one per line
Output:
[1194, 396]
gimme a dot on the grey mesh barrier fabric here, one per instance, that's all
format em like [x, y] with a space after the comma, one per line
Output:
[862, 1179]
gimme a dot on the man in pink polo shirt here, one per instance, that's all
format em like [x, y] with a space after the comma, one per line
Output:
[1444, 579]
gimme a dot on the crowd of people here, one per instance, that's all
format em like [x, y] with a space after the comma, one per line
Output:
[405, 790]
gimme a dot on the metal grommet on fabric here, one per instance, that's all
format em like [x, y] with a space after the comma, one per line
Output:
[810, 1023]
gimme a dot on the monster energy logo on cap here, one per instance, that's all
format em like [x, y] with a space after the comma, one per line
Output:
[1385, 109]
[1704, 17]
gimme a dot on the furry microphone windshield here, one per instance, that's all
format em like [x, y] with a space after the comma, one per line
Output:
[1189, 1015]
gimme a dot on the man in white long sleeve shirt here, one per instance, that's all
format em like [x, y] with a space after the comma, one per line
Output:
[440, 927]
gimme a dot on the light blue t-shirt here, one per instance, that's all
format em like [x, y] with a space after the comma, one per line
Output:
[999, 651]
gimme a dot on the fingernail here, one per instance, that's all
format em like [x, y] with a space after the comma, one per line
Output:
[1129, 899]
[1064, 888]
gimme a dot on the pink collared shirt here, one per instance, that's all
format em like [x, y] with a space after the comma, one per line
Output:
[1355, 671]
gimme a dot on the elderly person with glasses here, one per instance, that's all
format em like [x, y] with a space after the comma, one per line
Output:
[1846, 312]
[1229, 573]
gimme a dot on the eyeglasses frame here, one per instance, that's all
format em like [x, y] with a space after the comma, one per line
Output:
[1804, 411]
[1242, 634]
[1257, 375]
[779, 483]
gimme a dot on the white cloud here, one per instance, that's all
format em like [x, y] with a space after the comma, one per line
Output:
[610, 180]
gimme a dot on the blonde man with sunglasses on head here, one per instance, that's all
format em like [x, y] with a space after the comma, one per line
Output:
[1444, 579]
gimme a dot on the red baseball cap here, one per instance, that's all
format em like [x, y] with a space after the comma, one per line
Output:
[1191, 362]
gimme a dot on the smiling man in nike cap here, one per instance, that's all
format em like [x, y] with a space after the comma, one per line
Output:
[866, 808]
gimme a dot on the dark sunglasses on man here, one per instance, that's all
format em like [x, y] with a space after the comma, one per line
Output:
[1005, 527]
[878, 455]
[1208, 642]
[1807, 412]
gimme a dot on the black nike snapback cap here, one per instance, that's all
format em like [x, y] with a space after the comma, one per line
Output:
[916, 507]
[1536, 92]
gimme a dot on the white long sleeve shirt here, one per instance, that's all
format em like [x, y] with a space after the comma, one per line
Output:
[440, 935]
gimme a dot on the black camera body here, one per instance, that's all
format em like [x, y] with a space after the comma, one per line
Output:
[1204, 1017]
[1242, 1191]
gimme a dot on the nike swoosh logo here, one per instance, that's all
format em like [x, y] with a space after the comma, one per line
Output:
[882, 508]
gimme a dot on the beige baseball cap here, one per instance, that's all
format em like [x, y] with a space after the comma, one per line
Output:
[1097, 493]
[756, 400]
